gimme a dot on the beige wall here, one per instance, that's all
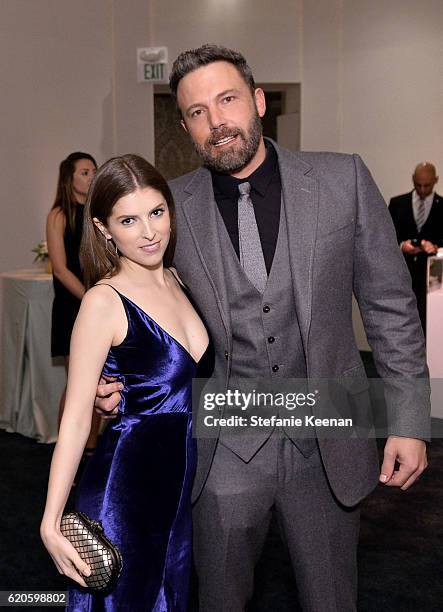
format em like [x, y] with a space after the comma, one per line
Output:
[67, 74]
[371, 84]
[393, 87]
[55, 78]
[267, 33]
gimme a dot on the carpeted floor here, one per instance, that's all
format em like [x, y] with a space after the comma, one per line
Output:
[401, 553]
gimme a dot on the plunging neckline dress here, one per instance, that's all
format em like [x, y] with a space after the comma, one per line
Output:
[138, 482]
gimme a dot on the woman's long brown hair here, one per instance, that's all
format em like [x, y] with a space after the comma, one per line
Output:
[65, 198]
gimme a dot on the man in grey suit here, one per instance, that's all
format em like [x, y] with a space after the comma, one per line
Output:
[284, 311]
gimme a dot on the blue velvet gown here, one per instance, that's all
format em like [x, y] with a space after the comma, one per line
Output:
[138, 482]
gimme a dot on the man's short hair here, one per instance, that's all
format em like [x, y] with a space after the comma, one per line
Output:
[188, 61]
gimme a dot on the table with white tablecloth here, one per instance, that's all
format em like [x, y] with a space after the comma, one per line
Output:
[434, 332]
[31, 381]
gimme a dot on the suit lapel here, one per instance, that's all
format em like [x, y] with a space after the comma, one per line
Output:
[300, 193]
[200, 210]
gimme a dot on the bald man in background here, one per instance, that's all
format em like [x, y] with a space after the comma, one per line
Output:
[418, 221]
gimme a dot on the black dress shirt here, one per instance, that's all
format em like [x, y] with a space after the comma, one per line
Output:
[265, 194]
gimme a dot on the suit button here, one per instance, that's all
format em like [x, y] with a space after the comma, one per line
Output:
[271, 339]
[275, 368]
[266, 308]
[226, 355]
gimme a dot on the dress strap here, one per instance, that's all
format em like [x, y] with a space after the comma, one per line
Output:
[107, 285]
[126, 303]
[122, 297]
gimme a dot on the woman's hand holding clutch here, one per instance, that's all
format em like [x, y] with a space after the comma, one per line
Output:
[64, 555]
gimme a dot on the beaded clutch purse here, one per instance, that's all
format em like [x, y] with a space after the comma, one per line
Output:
[102, 556]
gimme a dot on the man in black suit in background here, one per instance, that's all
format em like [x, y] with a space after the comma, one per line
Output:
[418, 221]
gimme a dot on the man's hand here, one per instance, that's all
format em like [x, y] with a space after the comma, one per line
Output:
[108, 398]
[428, 247]
[410, 453]
[408, 248]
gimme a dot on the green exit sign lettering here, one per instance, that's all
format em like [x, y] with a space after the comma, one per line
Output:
[152, 65]
[154, 72]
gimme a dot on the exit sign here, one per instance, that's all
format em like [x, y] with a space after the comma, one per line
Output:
[154, 72]
[152, 65]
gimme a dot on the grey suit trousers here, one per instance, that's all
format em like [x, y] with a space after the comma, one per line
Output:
[231, 520]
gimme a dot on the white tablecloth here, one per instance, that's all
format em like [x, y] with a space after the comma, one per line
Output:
[434, 348]
[32, 382]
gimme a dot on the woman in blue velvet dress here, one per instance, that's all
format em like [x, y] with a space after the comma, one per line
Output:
[135, 323]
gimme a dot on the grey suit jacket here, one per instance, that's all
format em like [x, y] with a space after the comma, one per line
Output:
[341, 240]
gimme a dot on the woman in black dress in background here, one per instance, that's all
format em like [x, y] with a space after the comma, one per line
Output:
[63, 233]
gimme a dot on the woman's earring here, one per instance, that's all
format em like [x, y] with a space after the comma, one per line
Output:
[108, 240]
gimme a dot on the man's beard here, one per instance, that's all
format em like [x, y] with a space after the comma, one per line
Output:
[235, 158]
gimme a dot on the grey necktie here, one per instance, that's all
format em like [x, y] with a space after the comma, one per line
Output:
[421, 215]
[251, 253]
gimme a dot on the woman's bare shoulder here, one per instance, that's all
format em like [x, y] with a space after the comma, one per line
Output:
[101, 297]
[103, 314]
[57, 217]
